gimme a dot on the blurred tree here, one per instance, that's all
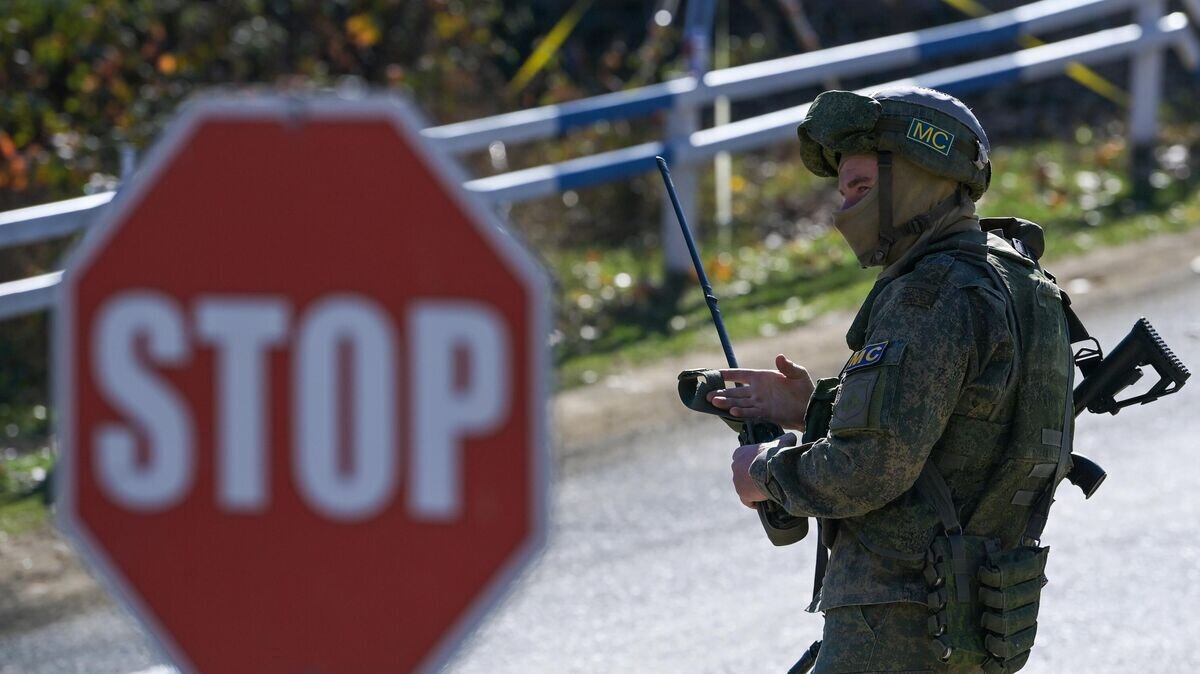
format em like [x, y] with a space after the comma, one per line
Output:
[85, 78]
[92, 75]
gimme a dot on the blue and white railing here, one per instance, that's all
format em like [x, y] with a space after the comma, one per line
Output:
[1022, 66]
[681, 99]
[776, 75]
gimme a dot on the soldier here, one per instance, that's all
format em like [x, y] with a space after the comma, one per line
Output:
[933, 457]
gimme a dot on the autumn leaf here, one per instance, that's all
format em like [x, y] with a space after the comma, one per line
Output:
[363, 30]
[167, 64]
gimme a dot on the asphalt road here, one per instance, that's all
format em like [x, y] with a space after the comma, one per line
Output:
[653, 566]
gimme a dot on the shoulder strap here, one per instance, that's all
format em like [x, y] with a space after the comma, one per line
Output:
[1024, 236]
[932, 486]
[1076, 332]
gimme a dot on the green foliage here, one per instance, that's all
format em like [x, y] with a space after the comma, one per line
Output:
[20, 474]
[782, 271]
[23, 515]
[1079, 190]
[22, 488]
[96, 74]
[86, 78]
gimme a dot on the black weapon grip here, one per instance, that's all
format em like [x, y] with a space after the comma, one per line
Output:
[1085, 474]
[1121, 368]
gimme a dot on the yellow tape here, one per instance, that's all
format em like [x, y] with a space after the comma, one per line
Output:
[969, 7]
[549, 46]
[1093, 80]
[1076, 71]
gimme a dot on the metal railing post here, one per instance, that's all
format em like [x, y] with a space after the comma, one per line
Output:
[129, 158]
[1146, 79]
[682, 121]
[723, 161]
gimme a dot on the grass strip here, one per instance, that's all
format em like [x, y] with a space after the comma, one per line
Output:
[614, 312]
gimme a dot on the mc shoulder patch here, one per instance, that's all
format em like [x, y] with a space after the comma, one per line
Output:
[930, 136]
[871, 354]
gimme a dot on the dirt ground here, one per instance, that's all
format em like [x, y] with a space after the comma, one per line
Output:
[42, 580]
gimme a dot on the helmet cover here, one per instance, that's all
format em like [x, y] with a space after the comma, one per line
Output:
[933, 130]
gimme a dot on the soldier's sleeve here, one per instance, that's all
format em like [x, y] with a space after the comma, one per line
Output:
[895, 399]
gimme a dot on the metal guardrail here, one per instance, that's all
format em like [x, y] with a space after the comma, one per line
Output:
[28, 295]
[1021, 66]
[686, 144]
[767, 77]
[48, 221]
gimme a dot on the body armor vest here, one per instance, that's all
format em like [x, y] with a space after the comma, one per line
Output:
[1012, 458]
[976, 514]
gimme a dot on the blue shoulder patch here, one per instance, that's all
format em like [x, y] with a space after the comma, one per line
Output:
[871, 354]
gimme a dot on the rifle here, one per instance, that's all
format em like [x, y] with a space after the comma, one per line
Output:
[694, 385]
[1105, 377]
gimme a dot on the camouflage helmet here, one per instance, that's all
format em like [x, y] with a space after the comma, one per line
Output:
[931, 129]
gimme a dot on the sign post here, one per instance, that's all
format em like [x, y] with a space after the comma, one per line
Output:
[301, 381]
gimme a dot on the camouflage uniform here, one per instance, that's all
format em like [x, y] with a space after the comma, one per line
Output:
[879, 638]
[943, 384]
[961, 336]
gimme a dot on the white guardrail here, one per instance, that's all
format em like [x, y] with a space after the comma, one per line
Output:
[686, 144]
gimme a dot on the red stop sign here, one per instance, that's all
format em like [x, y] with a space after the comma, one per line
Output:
[301, 381]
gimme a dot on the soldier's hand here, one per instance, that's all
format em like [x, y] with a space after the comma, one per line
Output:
[747, 489]
[780, 396]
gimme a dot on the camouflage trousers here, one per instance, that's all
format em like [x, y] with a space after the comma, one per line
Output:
[880, 638]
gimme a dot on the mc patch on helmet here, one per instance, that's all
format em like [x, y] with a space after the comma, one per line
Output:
[933, 137]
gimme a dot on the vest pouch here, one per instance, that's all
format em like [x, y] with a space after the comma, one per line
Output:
[952, 575]
[1007, 623]
[820, 409]
[1013, 597]
[1013, 567]
[1010, 588]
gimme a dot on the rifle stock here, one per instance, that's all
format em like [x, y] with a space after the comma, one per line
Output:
[1106, 376]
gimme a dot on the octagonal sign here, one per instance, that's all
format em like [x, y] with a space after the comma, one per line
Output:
[301, 392]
